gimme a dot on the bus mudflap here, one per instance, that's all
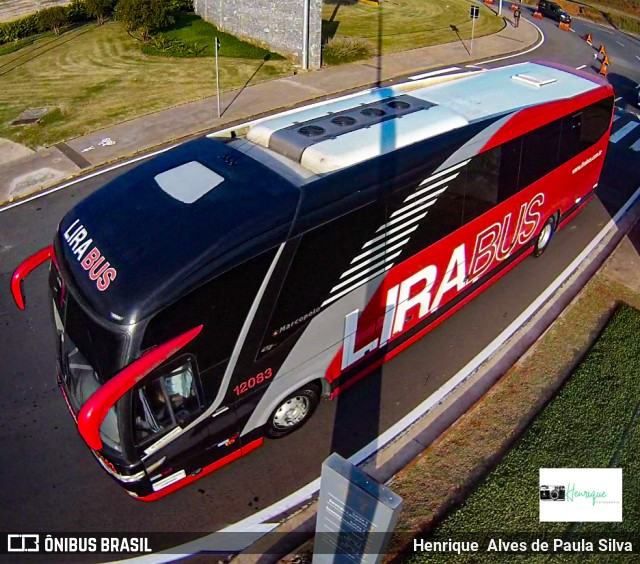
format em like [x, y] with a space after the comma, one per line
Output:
[97, 406]
[20, 273]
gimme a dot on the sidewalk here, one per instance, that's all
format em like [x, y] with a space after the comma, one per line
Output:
[22, 176]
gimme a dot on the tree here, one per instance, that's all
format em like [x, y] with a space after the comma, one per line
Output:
[54, 18]
[144, 16]
[99, 9]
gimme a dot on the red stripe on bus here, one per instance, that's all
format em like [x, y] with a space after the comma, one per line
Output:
[206, 470]
[20, 273]
[97, 406]
[532, 118]
[422, 332]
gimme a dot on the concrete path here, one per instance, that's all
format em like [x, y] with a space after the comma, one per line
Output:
[23, 176]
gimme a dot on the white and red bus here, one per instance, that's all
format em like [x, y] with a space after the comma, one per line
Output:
[211, 296]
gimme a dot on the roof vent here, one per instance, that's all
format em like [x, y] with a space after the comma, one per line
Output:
[188, 182]
[373, 112]
[291, 141]
[311, 131]
[398, 105]
[536, 80]
[343, 121]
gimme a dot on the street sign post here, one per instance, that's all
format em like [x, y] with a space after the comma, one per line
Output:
[356, 515]
[474, 14]
[217, 76]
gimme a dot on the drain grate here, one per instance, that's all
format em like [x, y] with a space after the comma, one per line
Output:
[31, 115]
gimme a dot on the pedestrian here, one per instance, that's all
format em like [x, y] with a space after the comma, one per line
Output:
[516, 16]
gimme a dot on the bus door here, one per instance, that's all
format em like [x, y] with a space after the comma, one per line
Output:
[187, 411]
[172, 433]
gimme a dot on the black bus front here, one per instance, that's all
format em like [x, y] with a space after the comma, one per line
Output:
[90, 351]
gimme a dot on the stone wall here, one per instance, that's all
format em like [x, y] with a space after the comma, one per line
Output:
[277, 24]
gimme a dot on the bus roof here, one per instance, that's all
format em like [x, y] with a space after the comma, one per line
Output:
[338, 134]
[163, 224]
[182, 217]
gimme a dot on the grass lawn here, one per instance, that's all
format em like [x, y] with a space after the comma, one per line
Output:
[592, 422]
[97, 76]
[406, 24]
[191, 30]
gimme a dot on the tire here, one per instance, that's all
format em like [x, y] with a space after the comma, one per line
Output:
[544, 237]
[293, 412]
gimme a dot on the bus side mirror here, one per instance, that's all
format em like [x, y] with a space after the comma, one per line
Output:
[104, 398]
[20, 273]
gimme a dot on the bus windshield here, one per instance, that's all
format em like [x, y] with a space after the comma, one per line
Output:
[89, 355]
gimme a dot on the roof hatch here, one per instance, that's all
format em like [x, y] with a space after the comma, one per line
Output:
[536, 80]
[187, 183]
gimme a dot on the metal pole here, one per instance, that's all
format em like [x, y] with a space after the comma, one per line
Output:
[473, 28]
[305, 36]
[500, 8]
[217, 78]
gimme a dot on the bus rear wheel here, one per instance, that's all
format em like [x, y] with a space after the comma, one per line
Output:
[544, 237]
[293, 412]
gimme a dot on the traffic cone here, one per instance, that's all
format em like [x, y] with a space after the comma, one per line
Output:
[605, 61]
[602, 50]
[587, 38]
[537, 15]
[603, 70]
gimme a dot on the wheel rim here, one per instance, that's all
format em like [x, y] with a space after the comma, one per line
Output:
[545, 236]
[291, 412]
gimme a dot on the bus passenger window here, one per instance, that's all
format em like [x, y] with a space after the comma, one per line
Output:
[164, 402]
[540, 153]
[570, 142]
[595, 121]
[483, 176]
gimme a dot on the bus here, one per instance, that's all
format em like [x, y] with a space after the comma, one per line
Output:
[210, 297]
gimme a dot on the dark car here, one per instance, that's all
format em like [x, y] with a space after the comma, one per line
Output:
[553, 11]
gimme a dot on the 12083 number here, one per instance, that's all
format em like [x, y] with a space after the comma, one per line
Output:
[252, 382]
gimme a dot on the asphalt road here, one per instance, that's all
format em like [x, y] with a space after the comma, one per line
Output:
[52, 482]
[569, 47]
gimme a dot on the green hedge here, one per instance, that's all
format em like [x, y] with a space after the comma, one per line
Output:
[40, 22]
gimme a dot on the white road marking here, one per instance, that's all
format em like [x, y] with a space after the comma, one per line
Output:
[570, 29]
[581, 67]
[254, 522]
[637, 57]
[624, 130]
[618, 99]
[621, 44]
[433, 73]
[635, 146]
[518, 54]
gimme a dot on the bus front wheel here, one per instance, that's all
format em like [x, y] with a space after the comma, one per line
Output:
[293, 412]
[545, 235]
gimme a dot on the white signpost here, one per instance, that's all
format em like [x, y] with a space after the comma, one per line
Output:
[217, 76]
[474, 14]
